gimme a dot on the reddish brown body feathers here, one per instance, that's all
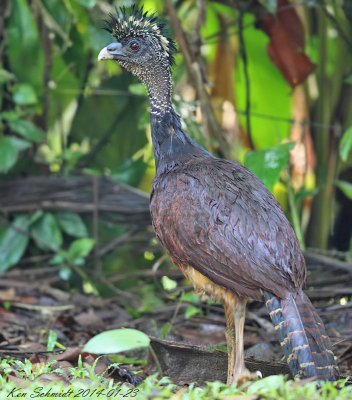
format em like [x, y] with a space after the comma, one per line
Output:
[217, 217]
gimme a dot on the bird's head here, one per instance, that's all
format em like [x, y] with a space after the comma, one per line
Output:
[142, 45]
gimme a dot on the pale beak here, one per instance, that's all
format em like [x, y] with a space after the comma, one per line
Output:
[109, 52]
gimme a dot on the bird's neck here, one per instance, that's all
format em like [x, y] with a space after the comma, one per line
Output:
[172, 146]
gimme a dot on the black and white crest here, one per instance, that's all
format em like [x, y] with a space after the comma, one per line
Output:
[138, 23]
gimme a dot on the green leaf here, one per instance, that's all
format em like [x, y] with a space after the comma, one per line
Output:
[190, 297]
[267, 164]
[35, 216]
[116, 341]
[24, 47]
[51, 340]
[168, 284]
[345, 145]
[9, 115]
[87, 3]
[347, 8]
[346, 187]
[267, 384]
[65, 273]
[59, 258]
[138, 89]
[349, 80]
[46, 232]
[6, 76]
[27, 130]
[165, 329]
[122, 359]
[13, 243]
[18, 143]
[72, 224]
[78, 261]
[270, 94]
[192, 310]
[24, 94]
[270, 5]
[129, 172]
[80, 248]
[8, 153]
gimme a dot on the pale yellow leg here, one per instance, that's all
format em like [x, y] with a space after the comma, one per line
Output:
[235, 312]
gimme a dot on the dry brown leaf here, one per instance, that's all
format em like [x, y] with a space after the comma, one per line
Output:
[286, 46]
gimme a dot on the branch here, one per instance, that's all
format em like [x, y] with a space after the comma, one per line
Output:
[193, 64]
[243, 54]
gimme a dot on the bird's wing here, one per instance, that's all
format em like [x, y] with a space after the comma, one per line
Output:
[219, 218]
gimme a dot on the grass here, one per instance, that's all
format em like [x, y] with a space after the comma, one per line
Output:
[85, 384]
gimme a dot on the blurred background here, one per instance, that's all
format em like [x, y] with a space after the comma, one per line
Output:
[265, 82]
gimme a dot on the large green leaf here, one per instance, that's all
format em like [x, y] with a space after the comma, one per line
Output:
[270, 95]
[267, 164]
[116, 341]
[47, 233]
[25, 52]
[8, 153]
[72, 224]
[27, 129]
[346, 144]
[13, 242]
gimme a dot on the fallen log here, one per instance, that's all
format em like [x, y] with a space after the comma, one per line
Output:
[187, 363]
[82, 194]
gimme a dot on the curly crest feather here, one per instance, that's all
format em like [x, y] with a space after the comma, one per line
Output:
[139, 23]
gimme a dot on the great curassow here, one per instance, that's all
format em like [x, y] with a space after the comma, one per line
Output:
[216, 219]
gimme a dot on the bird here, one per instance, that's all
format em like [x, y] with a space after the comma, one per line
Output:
[215, 219]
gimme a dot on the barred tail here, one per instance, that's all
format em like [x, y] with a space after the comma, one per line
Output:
[302, 336]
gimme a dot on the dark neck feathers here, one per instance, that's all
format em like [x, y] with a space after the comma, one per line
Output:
[171, 145]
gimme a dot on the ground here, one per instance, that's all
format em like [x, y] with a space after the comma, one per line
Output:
[187, 334]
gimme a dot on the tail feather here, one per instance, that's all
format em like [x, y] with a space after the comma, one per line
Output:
[302, 336]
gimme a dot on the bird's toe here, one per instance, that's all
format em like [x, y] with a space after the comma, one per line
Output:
[245, 376]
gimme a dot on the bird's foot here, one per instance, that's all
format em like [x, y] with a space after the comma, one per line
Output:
[241, 377]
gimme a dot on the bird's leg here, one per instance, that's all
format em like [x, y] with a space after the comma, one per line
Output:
[235, 312]
[240, 370]
[230, 338]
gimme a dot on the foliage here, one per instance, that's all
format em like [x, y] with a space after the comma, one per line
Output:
[46, 230]
[346, 144]
[267, 164]
[87, 383]
[116, 341]
[346, 188]
[13, 242]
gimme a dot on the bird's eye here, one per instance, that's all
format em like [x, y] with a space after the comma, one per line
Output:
[134, 46]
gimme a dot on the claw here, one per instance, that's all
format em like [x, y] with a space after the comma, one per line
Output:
[244, 377]
[259, 374]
